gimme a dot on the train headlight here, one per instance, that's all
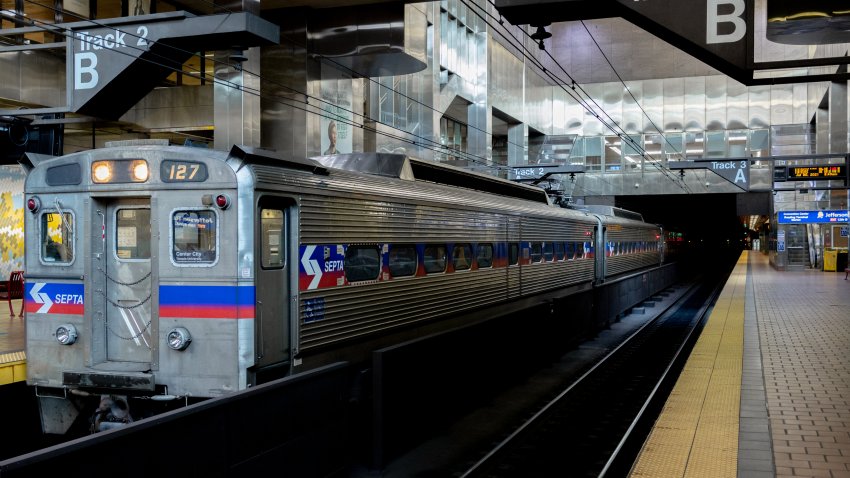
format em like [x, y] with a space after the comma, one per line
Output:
[101, 171]
[178, 338]
[66, 334]
[120, 171]
[140, 171]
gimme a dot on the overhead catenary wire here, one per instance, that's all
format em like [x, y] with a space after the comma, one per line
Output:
[573, 85]
[420, 141]
[423, 142]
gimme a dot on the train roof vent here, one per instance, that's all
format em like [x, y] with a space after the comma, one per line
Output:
[380, 164]
[613, 211]
[413, 169]
[267, 156]
[444, 174]
[136, 142]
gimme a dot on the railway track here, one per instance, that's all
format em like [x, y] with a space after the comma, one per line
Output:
[596, 426]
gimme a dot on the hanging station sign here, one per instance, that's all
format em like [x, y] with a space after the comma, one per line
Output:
[813, 217]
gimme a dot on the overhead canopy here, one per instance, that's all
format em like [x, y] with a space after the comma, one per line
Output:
[718, 32]
[112, 64]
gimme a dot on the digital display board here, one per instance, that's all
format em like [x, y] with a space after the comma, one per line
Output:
[835, 171]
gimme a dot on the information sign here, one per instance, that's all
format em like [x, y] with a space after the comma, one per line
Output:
[813, 217]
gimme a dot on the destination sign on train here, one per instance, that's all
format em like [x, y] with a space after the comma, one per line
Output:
[835, 171]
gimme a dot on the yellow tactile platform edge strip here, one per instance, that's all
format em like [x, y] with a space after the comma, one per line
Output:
[697, 432]
[13, 367]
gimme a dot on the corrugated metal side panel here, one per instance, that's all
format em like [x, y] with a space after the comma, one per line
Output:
[377, 188]
[359, 310]
[633, 234]
[352, 219]
[629, 262]
[548, 229]
[545, 276]
[355, 311]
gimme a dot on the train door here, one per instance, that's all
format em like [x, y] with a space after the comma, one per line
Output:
[273, 281]
[123, 269]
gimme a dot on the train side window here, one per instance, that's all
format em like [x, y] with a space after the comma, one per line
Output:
[548, 251]
[403, 260]
[273, 250]
[559, 251]
[462, 256]
[485, 256]
[194, 237]
[434, 257]
[362, 262]
[536, 252]
[571, 251]
[513, 253]
[133, 234]
[57, 237]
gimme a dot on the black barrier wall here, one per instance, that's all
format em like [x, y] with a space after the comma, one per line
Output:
[296, 426]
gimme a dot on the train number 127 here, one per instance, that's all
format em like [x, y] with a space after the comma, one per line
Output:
[178, 172]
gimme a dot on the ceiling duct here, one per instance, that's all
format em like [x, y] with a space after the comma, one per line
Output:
[369, 40]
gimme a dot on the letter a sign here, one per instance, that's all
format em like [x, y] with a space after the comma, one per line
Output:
[735, 171]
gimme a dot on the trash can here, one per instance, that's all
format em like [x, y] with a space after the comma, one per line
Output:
[830, 261]
[841, 263]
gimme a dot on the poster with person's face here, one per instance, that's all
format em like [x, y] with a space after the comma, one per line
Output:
[335, 125]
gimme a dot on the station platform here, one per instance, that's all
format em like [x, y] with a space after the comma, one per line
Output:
[766, 389]
[12, 346]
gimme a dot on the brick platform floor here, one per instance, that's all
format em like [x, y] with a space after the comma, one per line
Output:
[804, 332]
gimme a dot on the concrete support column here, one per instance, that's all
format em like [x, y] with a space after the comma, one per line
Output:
[822, 131]
[838, 117]
[480, 111]
[517, 144]
[236, 92]
[478, 142]
[236, 98]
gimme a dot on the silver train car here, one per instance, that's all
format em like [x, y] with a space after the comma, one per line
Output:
[160, 274]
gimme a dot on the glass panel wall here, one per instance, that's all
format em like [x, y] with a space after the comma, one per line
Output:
[694, 145]
[635, 152]
[632, 149]
[593, 153]
[613, 154]
[715, 144]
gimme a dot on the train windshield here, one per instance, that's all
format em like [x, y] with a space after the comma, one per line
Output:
[57, 237]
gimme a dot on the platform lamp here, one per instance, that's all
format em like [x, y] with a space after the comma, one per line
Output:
[541, 34]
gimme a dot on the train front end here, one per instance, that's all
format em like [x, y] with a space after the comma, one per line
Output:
[131, 295]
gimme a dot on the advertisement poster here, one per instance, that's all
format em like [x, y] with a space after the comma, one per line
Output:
[336, 116]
